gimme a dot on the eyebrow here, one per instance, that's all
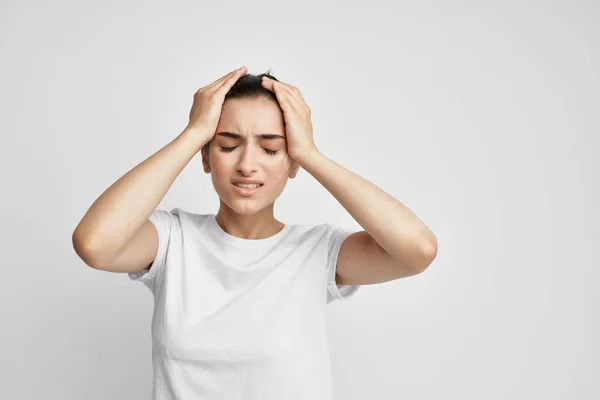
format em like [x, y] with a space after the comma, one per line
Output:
[269, 136]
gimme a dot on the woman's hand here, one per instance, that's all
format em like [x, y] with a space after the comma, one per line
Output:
[296, 114]
[208, 104]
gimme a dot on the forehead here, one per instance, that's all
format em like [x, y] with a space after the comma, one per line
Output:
[250, 116]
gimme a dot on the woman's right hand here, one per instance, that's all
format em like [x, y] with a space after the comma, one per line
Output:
[207, 106]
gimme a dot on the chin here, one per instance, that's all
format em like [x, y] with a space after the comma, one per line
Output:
[242, 206]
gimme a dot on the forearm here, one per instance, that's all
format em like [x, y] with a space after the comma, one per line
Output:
[393, 225]
[122, 209]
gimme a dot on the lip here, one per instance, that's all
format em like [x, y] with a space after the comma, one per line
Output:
[247, 181]
[246, 192]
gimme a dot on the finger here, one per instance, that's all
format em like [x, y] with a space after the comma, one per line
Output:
[295, 98]
[299, 95]
[228, 83]
[222, 79]
[219, 81]
[289, 97]
[282, 96]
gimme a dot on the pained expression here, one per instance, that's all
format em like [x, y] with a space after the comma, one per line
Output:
[249, 156]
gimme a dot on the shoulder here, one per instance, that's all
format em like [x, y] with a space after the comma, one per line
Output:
[326, 234]
[186, 217]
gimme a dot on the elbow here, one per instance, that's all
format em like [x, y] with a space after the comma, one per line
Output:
[85, 250]
[429, 250]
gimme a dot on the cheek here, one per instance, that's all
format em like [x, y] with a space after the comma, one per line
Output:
[278, 170]
[220, 161]
[220, 167]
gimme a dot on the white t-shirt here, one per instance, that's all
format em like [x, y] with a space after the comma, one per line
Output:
[237, 318]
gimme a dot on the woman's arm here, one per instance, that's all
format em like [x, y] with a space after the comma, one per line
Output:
[393, 225]
[118, 214]
[122, 209]
[398, 232]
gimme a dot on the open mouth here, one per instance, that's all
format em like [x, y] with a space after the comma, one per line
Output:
[247, 190]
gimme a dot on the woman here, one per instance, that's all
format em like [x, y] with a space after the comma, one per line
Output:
[239, 296]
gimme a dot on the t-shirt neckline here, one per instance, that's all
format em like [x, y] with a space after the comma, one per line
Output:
[217, 232]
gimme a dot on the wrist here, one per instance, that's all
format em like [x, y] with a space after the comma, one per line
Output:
[308, 157]
[194, 138]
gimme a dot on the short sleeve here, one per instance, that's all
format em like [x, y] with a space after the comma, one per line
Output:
[335, 237]
[163, 221]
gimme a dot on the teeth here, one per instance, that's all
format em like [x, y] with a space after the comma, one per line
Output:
[247, 186]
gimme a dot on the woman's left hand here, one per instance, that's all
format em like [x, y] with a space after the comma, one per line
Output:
[296, 114]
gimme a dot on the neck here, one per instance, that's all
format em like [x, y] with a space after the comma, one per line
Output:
[260, 225]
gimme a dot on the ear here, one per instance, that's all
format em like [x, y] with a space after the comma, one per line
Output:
[205, 160]
[294, 168]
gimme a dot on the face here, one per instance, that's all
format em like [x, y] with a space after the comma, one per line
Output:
[249, 156]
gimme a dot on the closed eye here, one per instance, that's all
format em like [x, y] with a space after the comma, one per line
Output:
[230, 149]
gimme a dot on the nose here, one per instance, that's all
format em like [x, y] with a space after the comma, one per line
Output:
[247, 161]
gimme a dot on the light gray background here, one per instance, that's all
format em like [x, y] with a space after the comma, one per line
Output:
[481, 117]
